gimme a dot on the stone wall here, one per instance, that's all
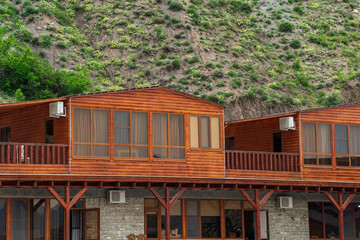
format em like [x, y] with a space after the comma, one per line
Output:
[119, 220]
[288, 224]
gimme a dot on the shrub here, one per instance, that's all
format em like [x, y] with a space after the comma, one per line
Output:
[45, 41]
[24, 35]
[240, 6]
[220, 84]
[209, 65]
[334, 98]
[63, 58]
[295, 43]
[176, 6]
[192, 59]
[299, 10]
[218, 73]
[297, 64]
[176, 64]
[61, 44]
[286, 27]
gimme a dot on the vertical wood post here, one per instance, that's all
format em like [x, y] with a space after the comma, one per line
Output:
[257, 205]
[67, 204]
[167, 204]
[340, 206]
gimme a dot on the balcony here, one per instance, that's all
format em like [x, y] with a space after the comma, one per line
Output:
[33, 153]
[262, 161]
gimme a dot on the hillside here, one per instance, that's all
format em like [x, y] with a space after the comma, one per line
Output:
[255, 57]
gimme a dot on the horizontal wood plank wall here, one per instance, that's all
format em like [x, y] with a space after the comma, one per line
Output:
[339, 115]
[257, 135]
[198, 163]
[28, 126]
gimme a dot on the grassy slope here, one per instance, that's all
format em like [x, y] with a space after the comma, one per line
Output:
[230, 51]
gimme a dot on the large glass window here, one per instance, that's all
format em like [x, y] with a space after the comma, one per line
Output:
[2, 219]
[192, 219]
[233, 219]
[37, 219]
[56, 220]
[19, 219]
[205, 132]
[168, 136]
[175, 220]
[131, 134]
[91, 132]
[210, 219]
[317, 143]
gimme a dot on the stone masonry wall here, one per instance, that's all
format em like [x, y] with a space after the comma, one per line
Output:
[288, 224]
[119, 220]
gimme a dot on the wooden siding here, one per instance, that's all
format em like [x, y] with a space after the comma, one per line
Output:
[257, 135]
[154, 100]
[28, 126]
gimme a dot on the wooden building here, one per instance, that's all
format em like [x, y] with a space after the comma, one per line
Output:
[168, 143]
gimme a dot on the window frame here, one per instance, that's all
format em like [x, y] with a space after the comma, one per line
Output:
[130, 144]
[91, 135]
[209, 132]
[168, 146]
[317, 154]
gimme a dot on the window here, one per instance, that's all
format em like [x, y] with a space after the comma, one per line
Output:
[324, 223]
[5, 134]
[277, 142]
[131, 134]
[49, 131]
[317, 143]
[342, 145]
[230, 143]
[2, 219]
[91, 132]
[202, 219]
[205, 132]
[168, 136]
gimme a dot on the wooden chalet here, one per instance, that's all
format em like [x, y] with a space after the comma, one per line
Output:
[171, 144]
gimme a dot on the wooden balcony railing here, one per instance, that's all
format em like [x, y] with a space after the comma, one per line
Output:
[264, 161]
[32, 153]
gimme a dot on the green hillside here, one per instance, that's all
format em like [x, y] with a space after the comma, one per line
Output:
[256, 56]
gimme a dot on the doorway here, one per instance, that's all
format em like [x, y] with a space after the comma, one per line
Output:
[277, 142]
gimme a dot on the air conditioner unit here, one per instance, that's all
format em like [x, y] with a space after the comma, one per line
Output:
[285, 202]
[57, 109]
[116, 196]
[287, 123]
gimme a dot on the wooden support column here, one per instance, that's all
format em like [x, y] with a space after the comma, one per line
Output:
[167, 204]
[257, 204]
[340, 206]
[67, 204]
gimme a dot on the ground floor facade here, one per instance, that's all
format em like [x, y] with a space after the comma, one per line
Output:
[33, 214]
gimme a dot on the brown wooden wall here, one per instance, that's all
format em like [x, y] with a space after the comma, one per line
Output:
[154, 100]
[257, 135]
[28, 124]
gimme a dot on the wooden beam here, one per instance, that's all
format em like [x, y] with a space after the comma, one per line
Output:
[158, 197]
[57, 196]
[176, 197]
[67, 214]
[248, 198]
[266, 197]
[77, 197]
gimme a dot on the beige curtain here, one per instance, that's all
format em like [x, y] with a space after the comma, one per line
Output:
[81, 125]
[215, 132]
[194, 131]
[139, 128]
[205, 135]
[324, 138]
[210, 208]
[176, 130]
[309, 138]
[354, 140]
[160, 129]
[100, 131]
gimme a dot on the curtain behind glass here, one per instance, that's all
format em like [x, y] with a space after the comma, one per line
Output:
[215, 132]
[19, 219]
[324, 138]
[122, 127]
[76, 224]
[341, 142]
[100, 126]
[176, 130]
[160, 129]
[205, 135]
[309, 137]
[354, 140]
[194, 131]
[81, 125]
[140, 128]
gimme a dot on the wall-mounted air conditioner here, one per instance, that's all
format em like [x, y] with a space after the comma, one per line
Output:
[285, 202]
[287, 123]
[57, 109]
[116, 196]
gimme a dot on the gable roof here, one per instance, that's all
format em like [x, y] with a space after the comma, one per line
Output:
[17, 105]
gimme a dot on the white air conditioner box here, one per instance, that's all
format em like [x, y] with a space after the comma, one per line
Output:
[287, 123]
[116, 196]
[285, 202]
[57, 109]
